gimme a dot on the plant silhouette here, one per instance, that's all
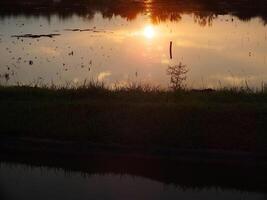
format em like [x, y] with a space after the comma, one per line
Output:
[177, 75]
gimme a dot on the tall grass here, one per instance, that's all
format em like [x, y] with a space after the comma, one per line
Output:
[96, 89]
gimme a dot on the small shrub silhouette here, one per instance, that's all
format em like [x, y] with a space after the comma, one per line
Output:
[178, 77]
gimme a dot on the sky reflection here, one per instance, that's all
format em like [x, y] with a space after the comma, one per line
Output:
[118, 51]
[28, 182]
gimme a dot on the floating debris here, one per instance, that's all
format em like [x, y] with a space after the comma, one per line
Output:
[88, 30]
[77, 29]
[6, 76]
[35, 36]
[170, 49]
[30, 62]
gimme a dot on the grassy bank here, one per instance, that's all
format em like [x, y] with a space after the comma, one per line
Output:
[226, 119]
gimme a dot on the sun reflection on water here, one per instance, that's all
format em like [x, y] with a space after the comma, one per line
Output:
[149, 32]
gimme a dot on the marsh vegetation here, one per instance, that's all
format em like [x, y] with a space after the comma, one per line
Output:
[227, 119]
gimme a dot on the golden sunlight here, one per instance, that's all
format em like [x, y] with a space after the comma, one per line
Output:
[149, 32]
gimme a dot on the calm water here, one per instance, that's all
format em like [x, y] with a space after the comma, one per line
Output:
[19, 181]
[120, 48]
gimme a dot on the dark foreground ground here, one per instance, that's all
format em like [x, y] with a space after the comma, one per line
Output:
[229, 120]
[198, 138]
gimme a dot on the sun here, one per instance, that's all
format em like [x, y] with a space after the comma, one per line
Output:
[149, 32]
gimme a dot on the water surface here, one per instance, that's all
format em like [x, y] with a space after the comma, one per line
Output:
[18, 181]
[123, 46]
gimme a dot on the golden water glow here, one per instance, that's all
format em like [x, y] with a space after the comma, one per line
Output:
[149, 32]
[139, 51]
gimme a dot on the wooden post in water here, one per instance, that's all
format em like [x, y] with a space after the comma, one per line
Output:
[170, 49]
